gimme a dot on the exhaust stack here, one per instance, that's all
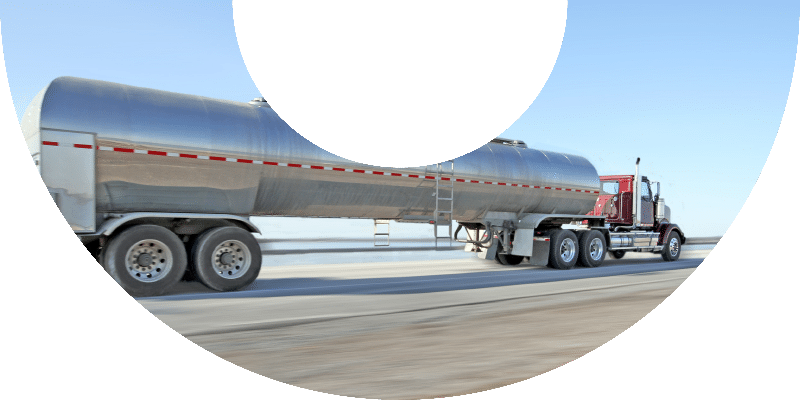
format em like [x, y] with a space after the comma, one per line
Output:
[637, 195]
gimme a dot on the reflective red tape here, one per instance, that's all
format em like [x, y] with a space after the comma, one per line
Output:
[297, 165]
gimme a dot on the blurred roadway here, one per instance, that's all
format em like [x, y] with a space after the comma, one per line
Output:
[422, 328]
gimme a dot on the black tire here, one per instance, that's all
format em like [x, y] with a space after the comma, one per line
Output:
[508, 259]
[146, 260]
[189, 276]
[226, 258]
[672, 247]
[617, 254]
[592, 246]
[563, 249]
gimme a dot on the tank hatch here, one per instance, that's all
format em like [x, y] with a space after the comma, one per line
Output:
[260, 102]
[508, 142]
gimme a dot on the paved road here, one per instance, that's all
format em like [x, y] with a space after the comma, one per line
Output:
[386, 330]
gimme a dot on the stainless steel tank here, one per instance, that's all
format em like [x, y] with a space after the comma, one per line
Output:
[168, 152]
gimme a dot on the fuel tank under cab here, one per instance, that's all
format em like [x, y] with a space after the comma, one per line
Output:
[160, 151]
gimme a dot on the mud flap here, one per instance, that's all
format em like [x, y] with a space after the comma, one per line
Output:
[541, 252]
[523, 242]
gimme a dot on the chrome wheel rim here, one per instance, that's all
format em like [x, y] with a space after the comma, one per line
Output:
[231, 259]
[596, 249]
[674, 247]
[567, 250]
[148, 261]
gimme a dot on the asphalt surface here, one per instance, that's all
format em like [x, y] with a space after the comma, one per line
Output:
[419, 329]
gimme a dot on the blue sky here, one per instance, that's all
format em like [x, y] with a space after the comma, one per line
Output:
[696, 90]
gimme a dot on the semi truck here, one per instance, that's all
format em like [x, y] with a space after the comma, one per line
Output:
[158, 185]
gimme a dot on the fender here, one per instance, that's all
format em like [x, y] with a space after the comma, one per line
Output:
[109, 226]
[665, 229]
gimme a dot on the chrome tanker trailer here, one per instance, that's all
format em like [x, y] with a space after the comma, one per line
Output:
[156, 182]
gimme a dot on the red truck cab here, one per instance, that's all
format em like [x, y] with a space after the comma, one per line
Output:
[616, 203]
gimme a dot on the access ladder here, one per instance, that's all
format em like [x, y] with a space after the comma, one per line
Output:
[443, 212]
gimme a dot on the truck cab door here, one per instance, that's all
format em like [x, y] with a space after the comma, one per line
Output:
[607, 203]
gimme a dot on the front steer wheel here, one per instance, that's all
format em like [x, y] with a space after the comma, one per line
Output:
[672, 247]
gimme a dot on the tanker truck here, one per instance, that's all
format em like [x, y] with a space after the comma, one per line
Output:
[158, 185]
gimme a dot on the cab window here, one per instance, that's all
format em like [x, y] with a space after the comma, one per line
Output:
[610, 187]
[645, 191]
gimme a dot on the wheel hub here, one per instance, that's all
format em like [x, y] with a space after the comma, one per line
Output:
[231, 259]
[567, 250]
[596, 249]
[144, 259]
[148, 261]
[226, 258]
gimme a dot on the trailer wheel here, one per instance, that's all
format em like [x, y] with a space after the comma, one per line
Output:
[617, 254]
[508, 259]
[563, 249]
[226, 258]
[592, 249]
[145, 260]
[672, 247]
